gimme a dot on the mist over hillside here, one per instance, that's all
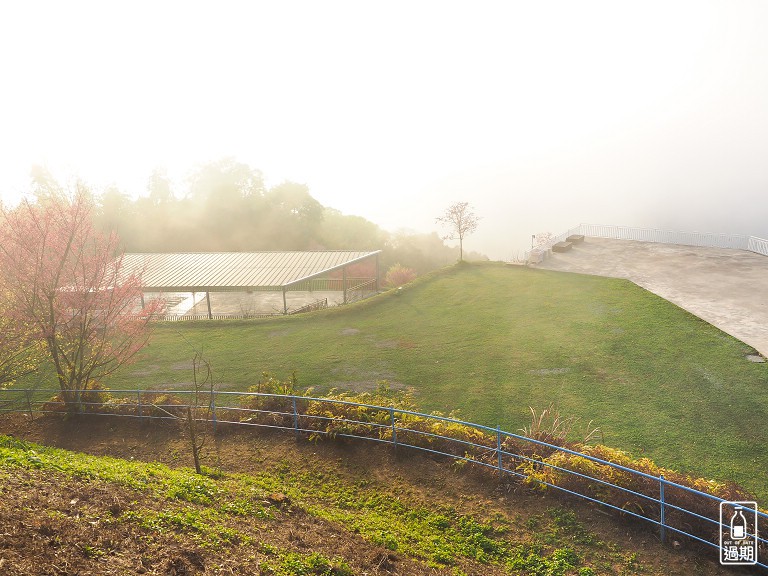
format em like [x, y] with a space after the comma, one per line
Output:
[226, 206]
[541, 115]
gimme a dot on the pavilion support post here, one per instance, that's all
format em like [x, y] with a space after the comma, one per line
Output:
[285, 302]
[344, 282]
[208, 300]
[142, 301]
[376, 271]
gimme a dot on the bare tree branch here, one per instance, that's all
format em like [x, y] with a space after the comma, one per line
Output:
[461, 222]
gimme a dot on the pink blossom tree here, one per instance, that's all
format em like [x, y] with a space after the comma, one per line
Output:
[20, 353]
[65, 282]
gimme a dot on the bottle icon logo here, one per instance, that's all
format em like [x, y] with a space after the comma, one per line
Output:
[738, 533]
[738, 525]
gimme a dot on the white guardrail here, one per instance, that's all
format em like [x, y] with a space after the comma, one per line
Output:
[703, 239]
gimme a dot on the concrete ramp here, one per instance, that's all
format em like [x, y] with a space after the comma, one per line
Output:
[726, 287]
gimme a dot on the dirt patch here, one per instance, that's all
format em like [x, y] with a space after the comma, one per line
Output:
[353, 374]
[279, 333]
[349, 331]
[148, 371]
[401, 343]
[368, 385]
[186, 365]
[549, 371]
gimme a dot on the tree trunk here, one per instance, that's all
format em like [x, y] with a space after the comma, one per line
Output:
[193, 440]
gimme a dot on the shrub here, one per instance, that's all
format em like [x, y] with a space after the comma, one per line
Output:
[163, 404]
[92, 399]
[551, 427]
[369, 414]
[596, 474]
[398, 275]
[274, 410]
[328, 417]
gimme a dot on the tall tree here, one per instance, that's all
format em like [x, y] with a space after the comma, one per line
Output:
[159, 187]
[113, 210]
[65, 282]
[225, 181]
[293, 217]
[339, 231]
[43, 184]
[224, 205]
[461, 221]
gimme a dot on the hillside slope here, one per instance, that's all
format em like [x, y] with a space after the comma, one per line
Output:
[492, 341]
[277, 506]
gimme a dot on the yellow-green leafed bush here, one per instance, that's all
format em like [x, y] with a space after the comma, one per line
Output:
[343, 414]
[384, 396]
[121, 406]
[427, 432]
[594, 476]
[163, 405]
[336, 418]
[268, 409]
[155, 404]
[92, 399]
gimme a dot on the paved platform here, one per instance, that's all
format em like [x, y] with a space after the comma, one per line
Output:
[248, 303]
[727, 288]
[263, 302]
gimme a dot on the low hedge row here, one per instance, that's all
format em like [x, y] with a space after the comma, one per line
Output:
[343, 413]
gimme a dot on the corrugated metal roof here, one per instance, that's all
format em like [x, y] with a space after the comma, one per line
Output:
[234, 270]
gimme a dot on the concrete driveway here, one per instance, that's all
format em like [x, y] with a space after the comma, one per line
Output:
[727, 288]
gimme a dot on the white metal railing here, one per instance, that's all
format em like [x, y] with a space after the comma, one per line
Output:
[758, 245]
[703, 239]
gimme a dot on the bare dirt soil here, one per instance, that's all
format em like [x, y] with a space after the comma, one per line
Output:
[51, 524]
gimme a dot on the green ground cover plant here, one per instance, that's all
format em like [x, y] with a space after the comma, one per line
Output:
[343, 414]
[208, 511]
[491, 341]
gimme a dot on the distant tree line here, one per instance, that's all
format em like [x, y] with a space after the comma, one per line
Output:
[226, 207]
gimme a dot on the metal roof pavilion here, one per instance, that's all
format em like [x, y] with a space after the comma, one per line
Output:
[233, 271]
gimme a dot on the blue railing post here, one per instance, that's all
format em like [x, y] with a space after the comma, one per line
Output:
[394, 430]
[662, 520]
[213, 410]
[471, 448]
[498, 450]
[295, 417]
[28, 394]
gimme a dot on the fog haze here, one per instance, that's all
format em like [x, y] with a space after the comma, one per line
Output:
[541, 115]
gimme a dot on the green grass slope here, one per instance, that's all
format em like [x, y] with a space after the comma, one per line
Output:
[492, 341]
[291, 511]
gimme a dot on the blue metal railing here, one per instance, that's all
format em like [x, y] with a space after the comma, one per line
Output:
[480, 445]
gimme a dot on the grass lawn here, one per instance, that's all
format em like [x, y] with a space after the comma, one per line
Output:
[491, 341]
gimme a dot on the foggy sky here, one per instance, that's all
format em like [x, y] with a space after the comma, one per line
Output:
[541, 114]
